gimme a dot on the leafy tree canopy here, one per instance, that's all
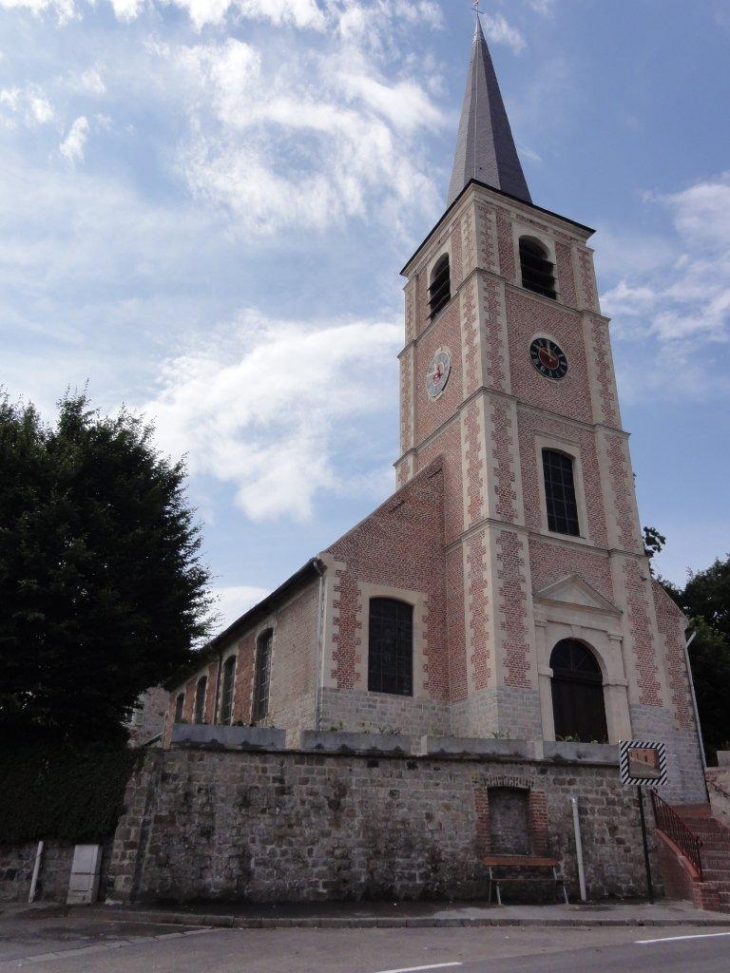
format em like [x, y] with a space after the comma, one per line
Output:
[653, 543]
[102, 592]
[705, 600]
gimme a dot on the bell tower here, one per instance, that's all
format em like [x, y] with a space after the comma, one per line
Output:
[507, 374]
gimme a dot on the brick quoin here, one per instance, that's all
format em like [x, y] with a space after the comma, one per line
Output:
[478, 610]
[513, 607]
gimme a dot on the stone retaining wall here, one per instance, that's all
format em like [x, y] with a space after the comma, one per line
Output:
[294, 826]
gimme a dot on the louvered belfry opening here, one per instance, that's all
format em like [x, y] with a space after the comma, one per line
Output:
[577, 687]
[538, 273]
[439, 291]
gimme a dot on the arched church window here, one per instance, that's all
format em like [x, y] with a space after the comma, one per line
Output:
[560, 497]
[262, 680]
[390, 647]
[538, 273]
[439, 290]
[229, 673]
[200, 693]
[577, 688]
[179, 707]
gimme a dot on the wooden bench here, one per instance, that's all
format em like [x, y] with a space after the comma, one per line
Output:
[511, 864]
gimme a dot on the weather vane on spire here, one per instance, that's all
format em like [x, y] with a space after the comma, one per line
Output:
[475, 6]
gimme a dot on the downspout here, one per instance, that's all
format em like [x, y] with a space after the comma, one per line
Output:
[319, 665]
[694, 705]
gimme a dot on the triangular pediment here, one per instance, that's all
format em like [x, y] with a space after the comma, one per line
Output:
[573, 591]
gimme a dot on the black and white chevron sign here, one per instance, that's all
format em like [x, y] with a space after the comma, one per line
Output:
[643, 763]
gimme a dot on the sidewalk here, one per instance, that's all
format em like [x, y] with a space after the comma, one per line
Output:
[385, 914]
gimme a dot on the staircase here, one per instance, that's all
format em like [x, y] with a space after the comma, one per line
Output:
[709, 875]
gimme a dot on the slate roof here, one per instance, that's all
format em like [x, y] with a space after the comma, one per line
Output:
[485, 149]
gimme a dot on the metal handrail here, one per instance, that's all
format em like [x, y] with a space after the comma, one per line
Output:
[670, 823]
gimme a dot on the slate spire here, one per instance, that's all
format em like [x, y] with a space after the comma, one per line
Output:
[485, 149]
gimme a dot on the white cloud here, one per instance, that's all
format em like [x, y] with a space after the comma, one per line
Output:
[235, 600]
[10, 97]
[64, 10]
[92, 82]
[676, 299]
[30, 102]
[127, 10]
[305, 144]
[544, 7]
[686, 292]
[41, 109]
[265, 403]
[73, 146]
[499, 31]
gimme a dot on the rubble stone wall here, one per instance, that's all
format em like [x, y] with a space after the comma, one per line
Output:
[291, 826]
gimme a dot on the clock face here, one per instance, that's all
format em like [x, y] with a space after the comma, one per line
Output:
[438, 373]
[548, 358]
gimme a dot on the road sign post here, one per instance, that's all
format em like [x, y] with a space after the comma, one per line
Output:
[643, 764]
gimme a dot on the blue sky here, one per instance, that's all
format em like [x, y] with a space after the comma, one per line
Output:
[205, 205]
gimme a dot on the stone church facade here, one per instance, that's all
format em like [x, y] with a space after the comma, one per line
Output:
[502, 591]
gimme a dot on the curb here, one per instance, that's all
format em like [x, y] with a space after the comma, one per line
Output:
[390, 922]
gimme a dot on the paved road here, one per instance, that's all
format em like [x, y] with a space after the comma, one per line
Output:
[72, 946]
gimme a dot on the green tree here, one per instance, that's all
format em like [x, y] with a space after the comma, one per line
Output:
[707, 596]
[709, 655]
[653, 543]
[705, 600]
[102, 591]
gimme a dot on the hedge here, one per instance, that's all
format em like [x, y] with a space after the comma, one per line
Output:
[50, 790]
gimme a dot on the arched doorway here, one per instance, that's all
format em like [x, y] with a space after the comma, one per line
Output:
[577, 686]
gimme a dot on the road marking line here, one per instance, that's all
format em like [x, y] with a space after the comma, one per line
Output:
[416, 969]
[115, 944]
[679, 939]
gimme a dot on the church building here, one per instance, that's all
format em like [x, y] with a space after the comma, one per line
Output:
[502, 591]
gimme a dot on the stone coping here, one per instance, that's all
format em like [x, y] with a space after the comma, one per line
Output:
[220, 736]
[340, 741]
[561, 751]
[448, 746]
[263, 739]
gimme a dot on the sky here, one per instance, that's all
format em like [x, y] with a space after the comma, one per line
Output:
[205, 205]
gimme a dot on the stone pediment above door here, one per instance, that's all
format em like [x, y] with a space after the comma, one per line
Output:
[574, 592]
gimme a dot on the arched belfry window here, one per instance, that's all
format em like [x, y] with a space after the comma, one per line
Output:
[538, 272]
[578, 706]
[262, 679]
[229, 675]
[201, 691]
[390, 647]
[179, 707]
[439, 290]
[560, 496]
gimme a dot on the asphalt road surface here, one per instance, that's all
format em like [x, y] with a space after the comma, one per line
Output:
[72, 946]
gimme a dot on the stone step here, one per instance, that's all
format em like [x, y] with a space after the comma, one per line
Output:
[699, 810]
[713, 893]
